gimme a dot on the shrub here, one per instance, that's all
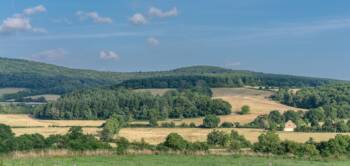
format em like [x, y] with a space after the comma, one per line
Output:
[142, 145]
[192, 125]
[244, 143]
[245, 110]
[184, 125]
[76, 140]
[197, 146]
[268, 143]
[211, 121]
[168, 124]
[6, 139]
[122, 145]
[227, 125]
[175, 141]
[218, 138]
[30, 141]
[112, 127]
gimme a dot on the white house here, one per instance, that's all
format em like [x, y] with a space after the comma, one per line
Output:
[289, 126]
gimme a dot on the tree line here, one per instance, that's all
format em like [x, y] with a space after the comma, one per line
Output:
[268, 143]
[314, 120]
[103, 103]
[314, 97]
[224, 80]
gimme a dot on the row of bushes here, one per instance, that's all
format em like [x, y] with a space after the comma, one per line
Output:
[268, 143]
[73, 140]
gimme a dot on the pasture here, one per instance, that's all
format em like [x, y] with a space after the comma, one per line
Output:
[4, 91]
[169, 160]
[48, 97]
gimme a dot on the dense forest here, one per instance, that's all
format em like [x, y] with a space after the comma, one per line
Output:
[43, 78]
[103, 103]
[224, 80]
[334, 99]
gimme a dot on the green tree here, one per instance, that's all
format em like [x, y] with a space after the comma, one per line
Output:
[6, 139]
[245, 110]
[268, 143]
[175, 141]
[218, 138]
[211, 121]
[112, 127]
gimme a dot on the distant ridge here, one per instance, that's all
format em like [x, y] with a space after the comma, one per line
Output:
[47, 78]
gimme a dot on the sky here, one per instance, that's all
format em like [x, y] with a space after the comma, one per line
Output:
[298, 37]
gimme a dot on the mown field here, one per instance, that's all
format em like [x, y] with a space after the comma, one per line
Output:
[158, 135]
[168, 160]
[4, 91]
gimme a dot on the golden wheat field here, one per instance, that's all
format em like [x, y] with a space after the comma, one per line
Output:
[22, 120]
[158, 135]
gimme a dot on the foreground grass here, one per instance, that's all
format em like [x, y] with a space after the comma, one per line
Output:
[168, 160]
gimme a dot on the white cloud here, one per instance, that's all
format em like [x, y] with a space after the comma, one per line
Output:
[138, 19]
[109, 55]
[20, 22]
[50, 55]
[34, 10]
[152, 41]
[94, 16]
[156, 12]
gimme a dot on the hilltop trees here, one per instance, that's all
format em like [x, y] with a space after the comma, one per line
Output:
[102, 103]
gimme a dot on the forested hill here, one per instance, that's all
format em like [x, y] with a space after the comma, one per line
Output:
[46, 78]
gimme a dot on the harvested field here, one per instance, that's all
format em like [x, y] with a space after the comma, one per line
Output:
[4, 91]
[26, 121]
[258, 101]
[48, 97]
[158, 135]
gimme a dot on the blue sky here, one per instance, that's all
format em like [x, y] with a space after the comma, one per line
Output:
[297, 37]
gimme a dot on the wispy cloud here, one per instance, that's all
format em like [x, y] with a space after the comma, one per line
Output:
[108, 55]
[34, 10]
[299, 29]
[20, 22]
[94, 16]
[156, 12]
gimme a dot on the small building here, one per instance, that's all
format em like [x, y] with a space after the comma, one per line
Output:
[289, 126]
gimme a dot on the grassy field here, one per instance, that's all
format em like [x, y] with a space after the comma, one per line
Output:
[4, 91]
[48, 97]
[168, 160]
[154, 91]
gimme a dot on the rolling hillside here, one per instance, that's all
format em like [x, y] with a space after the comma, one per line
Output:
[44, 78]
